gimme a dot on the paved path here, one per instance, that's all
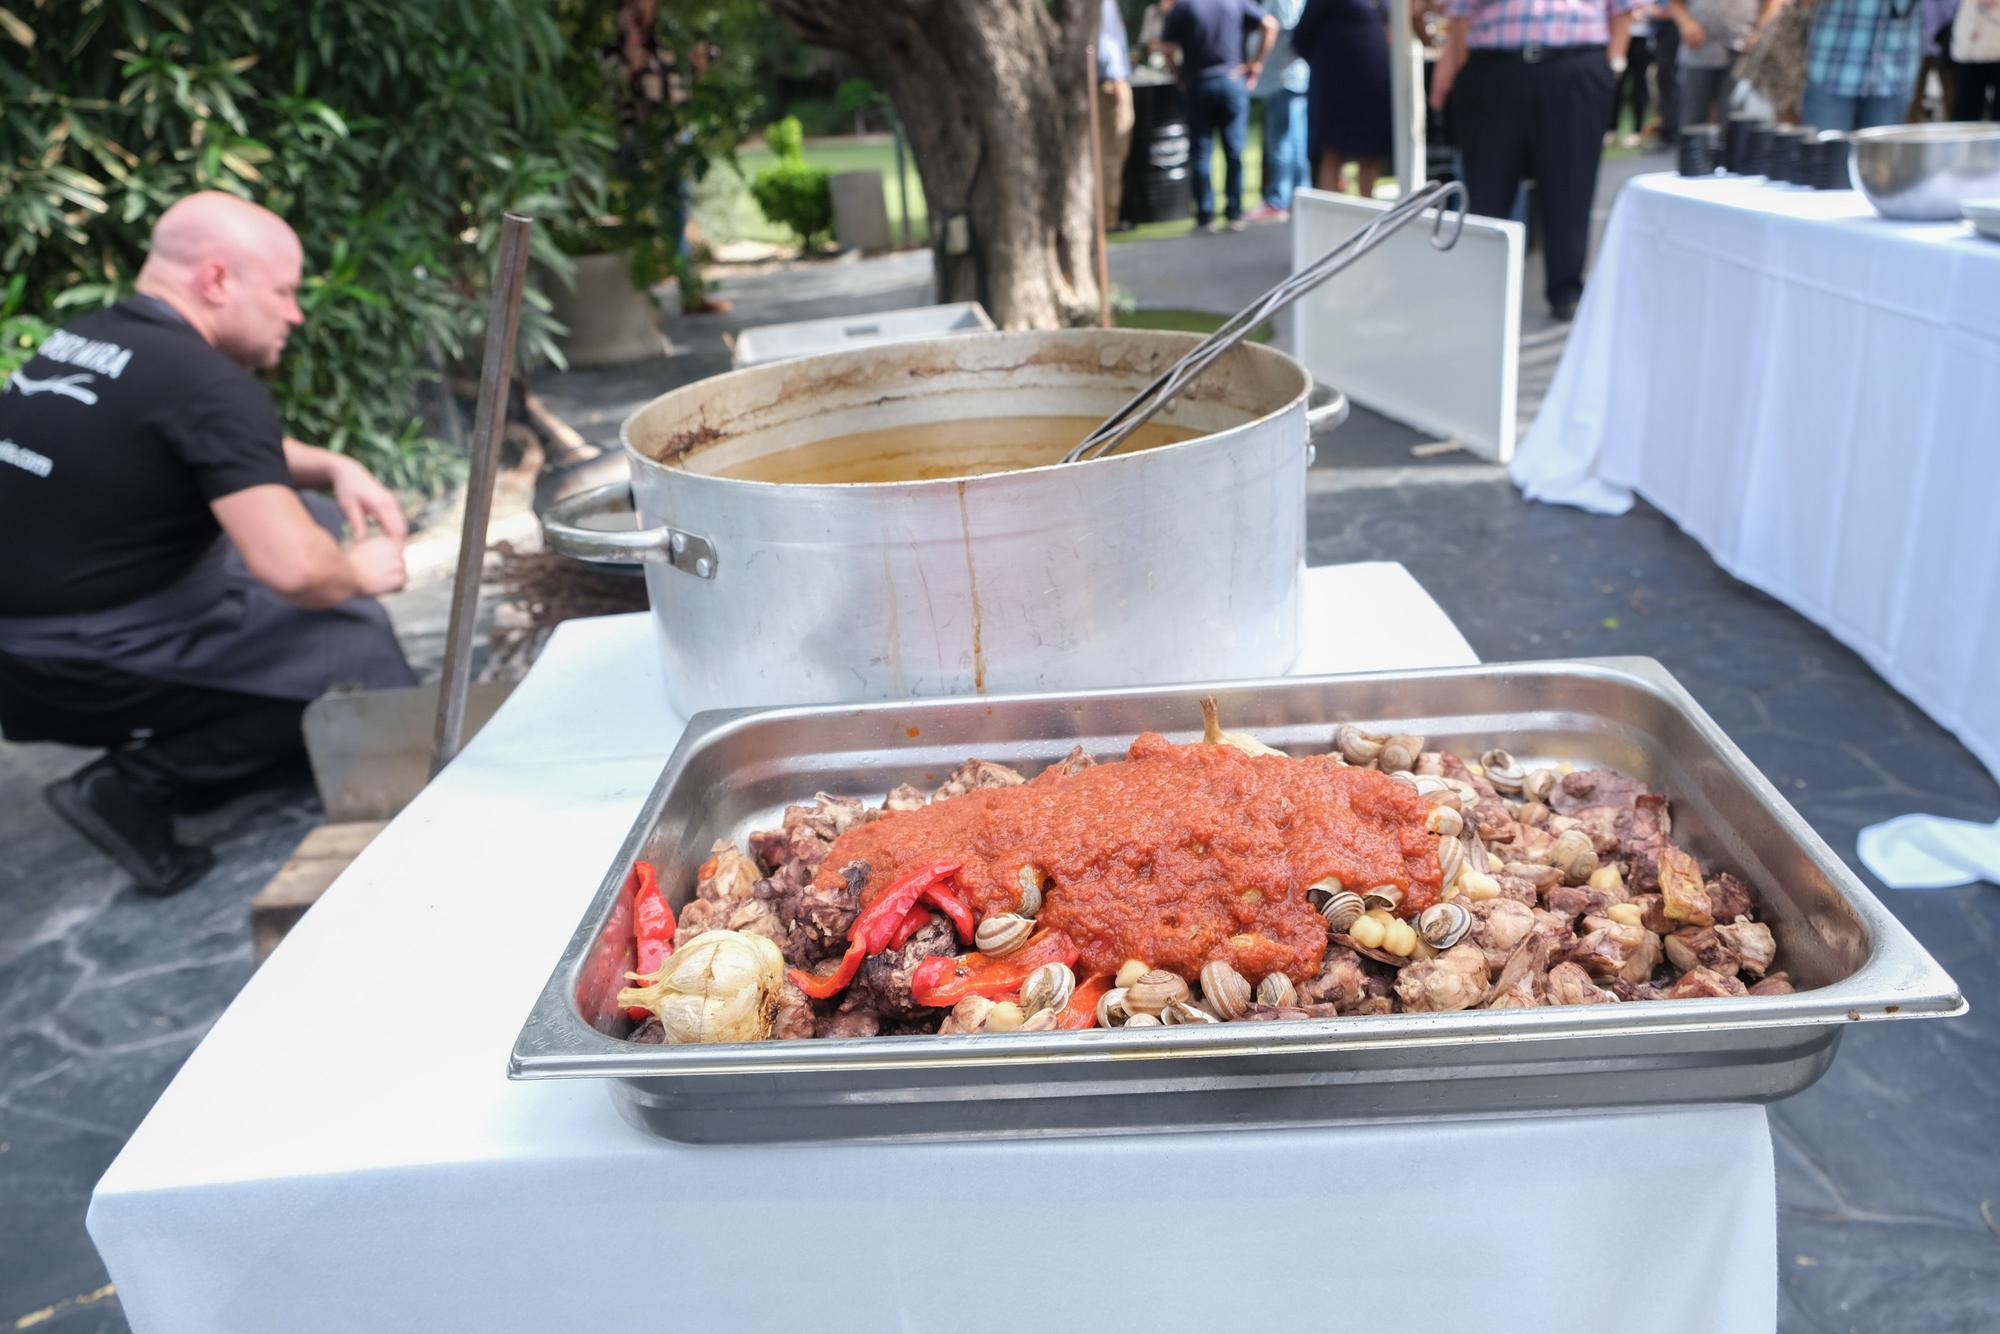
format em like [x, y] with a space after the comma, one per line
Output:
[1883, 1167]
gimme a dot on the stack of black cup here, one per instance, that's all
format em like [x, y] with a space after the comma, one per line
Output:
[1827, 154]
[1700, 150]
[1736, 143]
[1788, 162]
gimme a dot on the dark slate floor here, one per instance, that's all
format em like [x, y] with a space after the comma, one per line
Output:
[1889, 1167]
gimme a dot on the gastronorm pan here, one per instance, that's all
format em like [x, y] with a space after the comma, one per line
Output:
[734, 771]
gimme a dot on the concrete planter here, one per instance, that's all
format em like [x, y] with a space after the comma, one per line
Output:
[609, 320]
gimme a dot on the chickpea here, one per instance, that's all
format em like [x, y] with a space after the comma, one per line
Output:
[1400, 938]
[1131, 971]
[1368, 931]
[1608, 879]
[1625, 914]
[1478, 886]
[1004, 1017]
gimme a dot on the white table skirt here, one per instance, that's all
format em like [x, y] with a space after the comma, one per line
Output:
[1813, 394]
[344, 1151]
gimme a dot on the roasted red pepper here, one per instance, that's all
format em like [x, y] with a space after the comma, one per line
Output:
[1081, 1012]
[949, 902]
[653, 926]
[875, 928]
[910, 925]
[945, 980]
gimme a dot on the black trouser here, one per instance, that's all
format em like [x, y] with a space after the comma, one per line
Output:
[169, 742]
[1975, 91]
[1542, 120]
[1666, 78]
[1631, 90]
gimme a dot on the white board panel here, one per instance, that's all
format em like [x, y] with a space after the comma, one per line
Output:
[1428, 337]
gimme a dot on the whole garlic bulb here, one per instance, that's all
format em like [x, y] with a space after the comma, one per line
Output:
[722, 988]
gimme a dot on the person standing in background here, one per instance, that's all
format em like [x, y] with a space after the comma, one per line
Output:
[1713, 34]
[1282, 93]
[1209, 39]
[1347, 44]
[1975, 55]
[1633, 84]
[1861, 62]
[1666, 81]
[1530, 85]
[1114, 109]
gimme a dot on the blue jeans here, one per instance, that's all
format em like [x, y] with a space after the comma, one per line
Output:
[1832, 111]
[1218, 102]
[1285, 167]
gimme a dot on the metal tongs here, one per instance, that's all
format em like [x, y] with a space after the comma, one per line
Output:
[1108, 437]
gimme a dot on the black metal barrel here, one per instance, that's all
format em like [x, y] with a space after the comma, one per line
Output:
[1157, 188]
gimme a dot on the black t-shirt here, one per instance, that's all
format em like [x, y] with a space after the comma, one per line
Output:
[1210, 34]
[113, 440]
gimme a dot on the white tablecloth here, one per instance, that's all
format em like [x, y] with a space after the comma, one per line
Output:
[1813, 394]
[344, 1153]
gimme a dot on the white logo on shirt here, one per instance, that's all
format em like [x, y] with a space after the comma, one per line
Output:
[69, 386]
[27, 460]
[107, 359]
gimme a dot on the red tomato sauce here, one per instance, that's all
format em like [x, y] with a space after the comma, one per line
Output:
[1178, 855]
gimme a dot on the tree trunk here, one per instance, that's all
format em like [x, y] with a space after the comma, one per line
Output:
[994, 95]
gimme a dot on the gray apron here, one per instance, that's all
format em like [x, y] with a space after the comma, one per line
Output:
[218, 626]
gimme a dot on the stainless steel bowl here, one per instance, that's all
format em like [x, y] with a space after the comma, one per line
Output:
[1925, 173]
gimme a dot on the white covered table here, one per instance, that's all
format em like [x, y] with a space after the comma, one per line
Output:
[344, 1152]
[1813, 393]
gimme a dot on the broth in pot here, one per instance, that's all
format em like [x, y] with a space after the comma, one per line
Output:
[925, 451]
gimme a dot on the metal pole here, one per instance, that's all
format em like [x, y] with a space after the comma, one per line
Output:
[503, 321]
[902, 179]
[1097, 186]
[1406, 94]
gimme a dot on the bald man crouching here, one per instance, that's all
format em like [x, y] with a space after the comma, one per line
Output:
[169, 595]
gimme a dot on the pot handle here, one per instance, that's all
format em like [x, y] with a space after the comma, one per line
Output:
[563, 529]
[1328, 413]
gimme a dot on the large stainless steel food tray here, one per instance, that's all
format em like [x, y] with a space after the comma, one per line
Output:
[734, 771]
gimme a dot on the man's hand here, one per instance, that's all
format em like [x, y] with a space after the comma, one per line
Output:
[1692, 32]
[362, 498]
[1251, 72]
[378, 564]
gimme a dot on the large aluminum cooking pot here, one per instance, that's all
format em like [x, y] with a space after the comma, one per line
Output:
[1177, 563]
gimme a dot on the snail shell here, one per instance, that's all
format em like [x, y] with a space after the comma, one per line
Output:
[1400, 752]
[1223, 989]
[1503, 771]
[1277, 989]
[1403, 776]
[1041, 1021]
[1341, 910]
[1539, 783]
[1383, 896]
[1357, 746]
[1451, 859]
[1574, 855]
[1443, 925]
[1319, 891]
[1031, 892]
[1142, 1021]
[1186, 1012]
[1002, 934]
[1444, 821]
[1154, 992]
[1111, 1010]
[1047, 988]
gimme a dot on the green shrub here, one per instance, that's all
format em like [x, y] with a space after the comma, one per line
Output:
[391, 134]
[796, 196]
[786, 138]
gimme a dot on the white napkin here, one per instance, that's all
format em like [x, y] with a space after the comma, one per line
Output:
[1931, 852]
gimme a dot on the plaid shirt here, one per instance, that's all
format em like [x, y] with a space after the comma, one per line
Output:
[1513, 24]
[1865, 48]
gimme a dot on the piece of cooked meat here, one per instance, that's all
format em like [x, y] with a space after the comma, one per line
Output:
[1454, 980]
[1751, 942]
[729, 875]
[883, 984]
[700, 915]
[1578, 900]
[1498, 925]
[1594, 787]
[1610, 951]
[975, 774]
[1073, 763]
[794, 1018]
[1705, 982]
[848, 1024]
[1518, 888]
[651, 1033]
[1653, 913]
[1681, 887]
[1729, 898]
[1256, 1012]
[1341, 980]
[757, 918]
[905, 797]
[1694, 947]
[816, 918]
[1776, 984]
[1569, 984]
